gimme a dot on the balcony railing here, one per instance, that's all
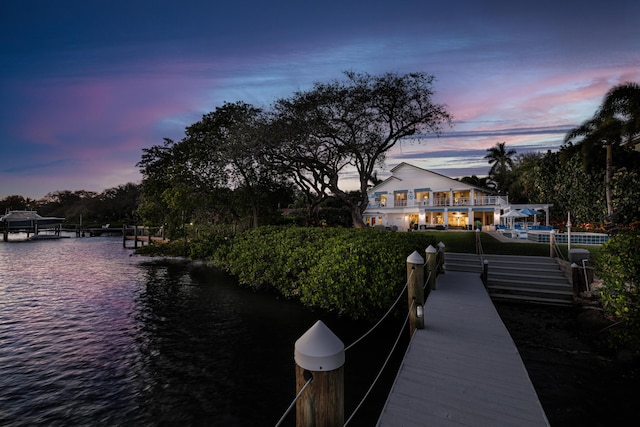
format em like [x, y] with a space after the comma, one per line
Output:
[442, 202]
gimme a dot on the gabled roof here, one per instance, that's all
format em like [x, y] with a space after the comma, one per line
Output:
[380, 184]
[408, 165]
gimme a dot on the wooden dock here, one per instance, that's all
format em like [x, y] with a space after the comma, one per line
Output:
[142, 235]
[463, 368]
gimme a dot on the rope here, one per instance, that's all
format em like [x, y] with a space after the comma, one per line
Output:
[384, 365]
[479, 248]
[426, 282]
[557, 250]
[294, 402]
[384, 316]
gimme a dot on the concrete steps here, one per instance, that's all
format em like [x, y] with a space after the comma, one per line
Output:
[518, 278]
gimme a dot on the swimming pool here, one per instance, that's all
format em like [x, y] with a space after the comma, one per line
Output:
[577, 238]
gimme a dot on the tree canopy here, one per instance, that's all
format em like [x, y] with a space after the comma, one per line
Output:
[348, 126]
[231, 160]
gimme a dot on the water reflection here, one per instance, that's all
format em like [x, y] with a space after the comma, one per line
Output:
[90, 335]
[189, 342]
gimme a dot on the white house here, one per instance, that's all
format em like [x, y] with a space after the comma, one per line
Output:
[416, 198]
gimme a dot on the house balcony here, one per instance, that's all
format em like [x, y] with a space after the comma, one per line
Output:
[440, 202]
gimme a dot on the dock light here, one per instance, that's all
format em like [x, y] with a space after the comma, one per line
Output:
[419, 311]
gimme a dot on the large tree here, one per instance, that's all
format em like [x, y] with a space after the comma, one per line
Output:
[502, 162]
[217, 173]
[344, 127]
[164, 173]
[616, 122]
[229, 143]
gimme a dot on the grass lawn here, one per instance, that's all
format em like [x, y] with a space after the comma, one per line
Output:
[457, 241]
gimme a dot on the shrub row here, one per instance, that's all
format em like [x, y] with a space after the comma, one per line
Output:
[619, 267]
[352, 272]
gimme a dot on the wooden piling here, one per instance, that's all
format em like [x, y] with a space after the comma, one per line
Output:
[319, 357]
[415, 292]
[432, 266]
[552, 243]
[576, 280]
[485, 272]
[441, 261]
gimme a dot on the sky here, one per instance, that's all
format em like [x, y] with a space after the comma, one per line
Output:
[86, 85]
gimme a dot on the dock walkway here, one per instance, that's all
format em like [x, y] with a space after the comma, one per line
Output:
[463, 368]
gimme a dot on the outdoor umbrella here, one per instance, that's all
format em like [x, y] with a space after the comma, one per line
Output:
[531, 212]
[514, 214]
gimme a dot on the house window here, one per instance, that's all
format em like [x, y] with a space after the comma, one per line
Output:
[461, 198]
[442, 198]
[400, 198]
[422, 197]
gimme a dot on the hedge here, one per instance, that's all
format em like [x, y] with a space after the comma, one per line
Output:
[353, 272]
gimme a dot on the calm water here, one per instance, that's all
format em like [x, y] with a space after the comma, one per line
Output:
[91, 335]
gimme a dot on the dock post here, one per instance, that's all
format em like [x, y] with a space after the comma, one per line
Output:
[441, 267]
[124, 235]
[578, 280]
[432, 266]
[415, 291]
[552, 243]
[135, 237]
[485, 272]
[319, 357]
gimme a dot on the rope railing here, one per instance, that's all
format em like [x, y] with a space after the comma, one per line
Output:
[350, 346]
[426, 282]
[294, 402]
[432, 270]
[384, 365]
[383, 317]
[557, 250]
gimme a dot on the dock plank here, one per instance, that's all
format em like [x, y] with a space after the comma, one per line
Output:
[463, 368]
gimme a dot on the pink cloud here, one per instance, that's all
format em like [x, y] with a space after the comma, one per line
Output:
[554, 98]
[89, 116]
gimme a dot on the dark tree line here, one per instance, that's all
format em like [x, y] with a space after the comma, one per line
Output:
[113, 206]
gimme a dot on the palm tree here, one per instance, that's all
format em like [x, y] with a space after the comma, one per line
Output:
[617, 122]
[501, 161]
[623, 103]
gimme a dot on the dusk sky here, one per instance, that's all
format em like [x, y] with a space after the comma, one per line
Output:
[86, 85]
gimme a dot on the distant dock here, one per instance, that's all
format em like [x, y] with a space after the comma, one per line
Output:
[31, 223]
[140, 235]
